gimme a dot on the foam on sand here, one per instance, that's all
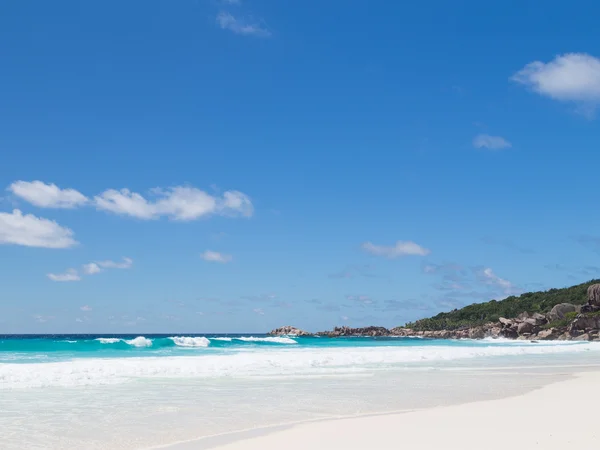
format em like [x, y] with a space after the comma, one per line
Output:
[531, 420]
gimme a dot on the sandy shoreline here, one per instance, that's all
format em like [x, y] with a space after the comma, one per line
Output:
[556, 416]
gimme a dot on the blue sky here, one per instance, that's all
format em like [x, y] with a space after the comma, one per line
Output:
[222, 166]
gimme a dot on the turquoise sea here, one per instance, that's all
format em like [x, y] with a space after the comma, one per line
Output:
[74, 360]
[138, 392]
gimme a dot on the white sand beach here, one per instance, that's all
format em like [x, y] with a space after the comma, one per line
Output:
[557, 416]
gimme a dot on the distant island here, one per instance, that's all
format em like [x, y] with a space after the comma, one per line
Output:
[571, 313]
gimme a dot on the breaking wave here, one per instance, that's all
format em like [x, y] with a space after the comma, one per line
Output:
[140, 341]
[184, 341]
[108, 340]
[262, 361]
[274, 340]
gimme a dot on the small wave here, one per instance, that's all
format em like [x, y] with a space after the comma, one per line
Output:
[108, 340]
[276, 361]
[140, 341]
[223, 339]
[276, 340]
[185, 341]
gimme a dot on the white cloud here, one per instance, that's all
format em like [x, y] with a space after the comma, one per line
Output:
[91, 268]
[69, 275]
[45, 195]
[236, 203]
[99, 266]
[259, 311]
[401, 248]
[212, 256]
[488, 276]
[86, 308]
[126, 264]
[178, 203]
[240, 26]
[572, 77]
[126, 203]
[32, 231]
[42, 319]
[490, 142]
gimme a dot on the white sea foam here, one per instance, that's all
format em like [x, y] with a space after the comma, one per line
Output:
[294, 361]
[140, 341]
[224, 339]
[275, 340]
[108, 340]
[505, 341]
[185, 341]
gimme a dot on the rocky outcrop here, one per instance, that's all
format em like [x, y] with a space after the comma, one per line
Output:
[289, 331]
[584, 322]
[559, 311]
[593, 294]
[584, 326]
[549, 334]
[356, 332]
[525, 326]
[593, 304]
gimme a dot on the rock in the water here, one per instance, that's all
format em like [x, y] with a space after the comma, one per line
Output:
[476, 333]
[548, 335]
[565, 337]
[289, 331]
[593, 293]
[495, 332]
[559, 311]
[509, 333]
[583, 337]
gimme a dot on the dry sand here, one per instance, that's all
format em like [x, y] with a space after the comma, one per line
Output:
[558, 416]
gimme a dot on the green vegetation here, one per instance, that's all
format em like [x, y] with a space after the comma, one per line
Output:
[481, 313]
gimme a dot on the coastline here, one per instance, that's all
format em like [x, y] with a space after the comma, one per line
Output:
[247, 387]
[533, 419]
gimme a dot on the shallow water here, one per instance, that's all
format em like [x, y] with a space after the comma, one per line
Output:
[117, 395]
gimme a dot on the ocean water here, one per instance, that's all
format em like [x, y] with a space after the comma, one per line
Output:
[137, 392]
